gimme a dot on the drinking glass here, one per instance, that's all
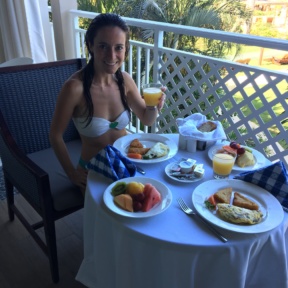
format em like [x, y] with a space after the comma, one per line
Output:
[152, 93]
[222, 164]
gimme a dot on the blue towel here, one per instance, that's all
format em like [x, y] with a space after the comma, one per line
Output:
[112, 164]
[273, 178]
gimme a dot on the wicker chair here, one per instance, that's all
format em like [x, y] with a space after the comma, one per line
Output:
[27, 99]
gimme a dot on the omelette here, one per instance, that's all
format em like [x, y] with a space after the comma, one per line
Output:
[157, 151]
[238, 215]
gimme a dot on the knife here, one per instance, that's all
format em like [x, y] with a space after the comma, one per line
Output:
[140, 170]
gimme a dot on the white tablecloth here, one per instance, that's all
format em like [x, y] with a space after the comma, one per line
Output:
[173, 250]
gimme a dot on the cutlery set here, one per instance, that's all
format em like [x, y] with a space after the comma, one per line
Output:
[189, 211]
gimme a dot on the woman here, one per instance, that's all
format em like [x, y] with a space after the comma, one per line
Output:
[99, 98]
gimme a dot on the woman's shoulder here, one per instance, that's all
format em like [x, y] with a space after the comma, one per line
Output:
[72, 89]
[128, 80]
[126, 76]
[74, 82]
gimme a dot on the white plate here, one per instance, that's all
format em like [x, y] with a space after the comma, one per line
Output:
[148, 140]
[168, 168]
[166, 196]
[260, 160]
[272, 210]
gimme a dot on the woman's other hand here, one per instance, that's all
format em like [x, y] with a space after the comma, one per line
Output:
[162, 99]
[79, 178]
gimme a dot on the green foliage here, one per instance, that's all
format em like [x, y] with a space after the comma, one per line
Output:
[98, 6]
[265, 30]
[210, 14]
[105, 6]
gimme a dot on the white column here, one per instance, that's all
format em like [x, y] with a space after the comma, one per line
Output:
[62, 26]
[48, 35]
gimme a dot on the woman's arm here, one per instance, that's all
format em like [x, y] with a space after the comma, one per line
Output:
[146, 114]
[68, 100]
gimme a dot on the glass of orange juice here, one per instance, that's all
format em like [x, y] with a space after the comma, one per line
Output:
[222, 164]
[152, 93]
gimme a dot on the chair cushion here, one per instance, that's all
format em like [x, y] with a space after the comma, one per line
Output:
[64, 193]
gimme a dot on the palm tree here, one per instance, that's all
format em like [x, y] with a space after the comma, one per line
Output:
[226, 15]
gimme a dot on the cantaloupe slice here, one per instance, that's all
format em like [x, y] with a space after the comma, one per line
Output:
[124, 201]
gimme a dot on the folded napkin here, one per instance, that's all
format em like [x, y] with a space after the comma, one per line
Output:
[188, 127]
[273, 178]
[112, 164]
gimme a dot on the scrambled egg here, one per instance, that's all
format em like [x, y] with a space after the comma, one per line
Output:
[239, 215]
[156, 151]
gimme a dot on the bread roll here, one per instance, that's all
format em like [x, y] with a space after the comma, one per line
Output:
[207, 126]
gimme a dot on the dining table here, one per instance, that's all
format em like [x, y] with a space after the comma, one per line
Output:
[173, 249]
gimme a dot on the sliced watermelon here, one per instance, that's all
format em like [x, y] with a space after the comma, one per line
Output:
[152, 197]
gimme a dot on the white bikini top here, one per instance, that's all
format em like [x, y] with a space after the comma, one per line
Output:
[99, 126]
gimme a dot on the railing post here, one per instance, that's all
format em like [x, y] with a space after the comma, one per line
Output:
[63, 30]
[76, 37]
[158, 43]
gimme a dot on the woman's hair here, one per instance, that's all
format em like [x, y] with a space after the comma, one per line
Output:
[99, 22]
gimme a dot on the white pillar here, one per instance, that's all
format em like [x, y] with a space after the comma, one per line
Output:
[62, 26]
[48, 37]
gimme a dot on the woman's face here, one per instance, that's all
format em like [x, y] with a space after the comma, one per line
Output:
[108, 49]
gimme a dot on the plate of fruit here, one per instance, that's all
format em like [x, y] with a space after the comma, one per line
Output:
[247, 159]
[137, 197]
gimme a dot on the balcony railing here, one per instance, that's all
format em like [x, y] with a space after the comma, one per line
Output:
[250, 102]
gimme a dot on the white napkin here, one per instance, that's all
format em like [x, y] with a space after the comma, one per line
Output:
[188, 127]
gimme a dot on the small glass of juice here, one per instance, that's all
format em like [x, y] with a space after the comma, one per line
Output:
[152, 93]
[222, 164]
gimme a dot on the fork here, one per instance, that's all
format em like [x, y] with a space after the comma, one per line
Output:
[189, 211]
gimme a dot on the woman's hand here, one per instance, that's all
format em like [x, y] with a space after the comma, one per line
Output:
[162, 99]
[79, 178]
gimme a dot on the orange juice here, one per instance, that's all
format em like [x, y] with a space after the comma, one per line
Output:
[152, 95]
[222, 165]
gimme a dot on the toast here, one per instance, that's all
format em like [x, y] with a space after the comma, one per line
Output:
[141, 151]
[207, 126]
[241, 201]
[136, 144]
[223, 195]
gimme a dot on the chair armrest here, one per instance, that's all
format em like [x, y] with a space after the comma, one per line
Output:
[30, 179]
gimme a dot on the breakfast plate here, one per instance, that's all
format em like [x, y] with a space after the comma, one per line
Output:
[270, 207]
[260, 160]
[166, 198]
[181, 179]
[148, 140]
